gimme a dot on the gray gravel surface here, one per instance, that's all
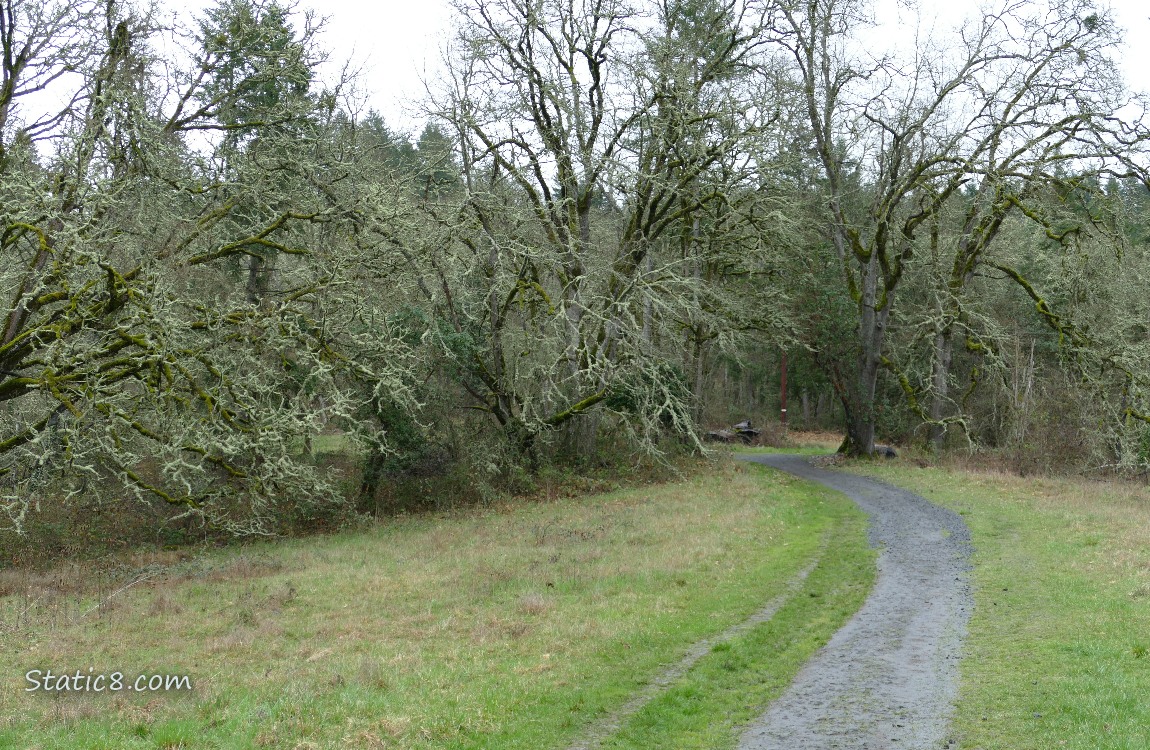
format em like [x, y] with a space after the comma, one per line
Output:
[888, 678]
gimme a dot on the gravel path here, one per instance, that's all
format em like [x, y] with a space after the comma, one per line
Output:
[888, 678]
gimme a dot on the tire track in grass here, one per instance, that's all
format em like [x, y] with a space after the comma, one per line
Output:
[612, 723]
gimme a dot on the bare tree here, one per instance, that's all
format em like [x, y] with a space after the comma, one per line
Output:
[602, 149]
[1031, 87]
[45, 46]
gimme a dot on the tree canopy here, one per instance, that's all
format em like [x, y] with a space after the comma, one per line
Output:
[616, 217]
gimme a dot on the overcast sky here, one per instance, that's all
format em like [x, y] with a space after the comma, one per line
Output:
[398, 40]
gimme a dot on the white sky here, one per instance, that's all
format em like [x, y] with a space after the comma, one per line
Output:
[398, 41]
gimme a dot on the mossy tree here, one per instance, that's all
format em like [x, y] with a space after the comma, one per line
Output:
[134, 364]
[1028, 88]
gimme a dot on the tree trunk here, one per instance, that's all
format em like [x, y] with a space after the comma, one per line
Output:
[524, 440]
[698, 378]
[699, 329]
[370, 480]
[860, 430]
[648, 311]
[261, 274]
[940, 381]
[858, 401]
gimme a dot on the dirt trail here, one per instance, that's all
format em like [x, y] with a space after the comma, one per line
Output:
[888, 678]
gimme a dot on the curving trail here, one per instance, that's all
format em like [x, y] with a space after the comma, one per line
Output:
[888, 678]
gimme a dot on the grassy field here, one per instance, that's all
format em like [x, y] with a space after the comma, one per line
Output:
[805, 443]
[800, 450]
[515, 626]
[1059, 648]
[729, 687]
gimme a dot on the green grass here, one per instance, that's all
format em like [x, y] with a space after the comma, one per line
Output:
[1057, 655]
[331, 444]
[514, 626]
[327, 444]
[801, 450]
[729, 687]
[805, 443]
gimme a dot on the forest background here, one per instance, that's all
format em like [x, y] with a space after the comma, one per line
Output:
[237, 300]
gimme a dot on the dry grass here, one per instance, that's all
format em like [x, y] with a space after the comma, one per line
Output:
[1110, 519]
[1058, 640]
[1116, 512]
[515, 623]
[774, 440]
[829, 441]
